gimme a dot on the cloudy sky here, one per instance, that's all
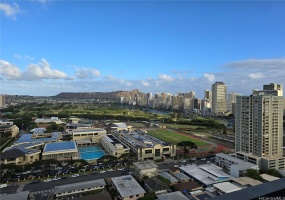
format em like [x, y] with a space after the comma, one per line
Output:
[48, 47]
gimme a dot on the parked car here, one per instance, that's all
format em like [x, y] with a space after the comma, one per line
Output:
[35, 181]
[103, 171]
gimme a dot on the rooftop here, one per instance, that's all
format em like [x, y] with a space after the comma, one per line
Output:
[246, 181]
[181, 176]
[168, 176]
[60, 146]
[79, 186]
[206, 174]
[240, 163]
[173, 195]
[138, 138]
[155, 184]
[89, 130]
[28, 138]
[145, 165]
[19, 196]
[267, 190]
[268, 177]
[127, 186]
[227, 187]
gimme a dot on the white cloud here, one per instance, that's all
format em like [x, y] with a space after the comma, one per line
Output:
[257, 64]
[10, 10]
[127, 83]
[257, 75]
[145, 83]
[165, 77]
[210, 77]
[42, 70]
[87, 73]
[23, 57]
[111, 78]
[9, 71]
[33, 71]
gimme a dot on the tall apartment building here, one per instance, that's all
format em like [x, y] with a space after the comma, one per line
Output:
[219, 97]
[259, 129]
[274, 87]
[208, 94]
[2, 100]
[232, 101]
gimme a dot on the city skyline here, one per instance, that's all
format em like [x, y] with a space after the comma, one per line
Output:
[154, 46]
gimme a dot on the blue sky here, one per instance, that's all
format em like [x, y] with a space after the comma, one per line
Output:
[49, 47]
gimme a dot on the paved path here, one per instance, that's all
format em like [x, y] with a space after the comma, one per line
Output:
[21, 187]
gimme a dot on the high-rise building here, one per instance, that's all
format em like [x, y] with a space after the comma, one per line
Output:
[2, 100]
[208, 94]
[232, 101]
[219, 97]
[274, 87]
[259, 129]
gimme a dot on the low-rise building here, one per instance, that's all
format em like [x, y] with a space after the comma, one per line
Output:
[268, 177]
[119, 127]
[207, 174]
[182, 177]
[225, 187]
[169, 177]
[93, 134]
[69, 128]
[9, 128]
[245, 182]
[145, 169]
[145, 146]
[128, 188]
[60, 151]
[188, 186]
[173, 195]
[52, 137]
[236, 166]
[156, 185]
[113, 146]
[71, 191]
[21, 154]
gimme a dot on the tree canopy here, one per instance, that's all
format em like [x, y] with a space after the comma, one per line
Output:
[187, 146]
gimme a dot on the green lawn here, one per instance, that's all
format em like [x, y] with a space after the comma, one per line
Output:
[175, 126]
[171, 136]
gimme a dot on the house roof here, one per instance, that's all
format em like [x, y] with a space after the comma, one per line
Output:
[155, 184]
[181, 176]
[190, 185]
[79, 186]
[227, 187]
[18, 195]
[173, 195]
[127, 186]
[168, 176]
[12, 153]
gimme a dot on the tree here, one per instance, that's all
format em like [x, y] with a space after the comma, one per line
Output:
[150, 195]
[186, 146]
[125, 156]
[224, 130]
[252, 173]
[274, 172]
[107, 158]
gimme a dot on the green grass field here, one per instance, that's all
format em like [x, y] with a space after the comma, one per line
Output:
[171, 136]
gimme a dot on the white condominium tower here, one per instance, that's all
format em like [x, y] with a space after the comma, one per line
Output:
[259, 129]
[219, 97]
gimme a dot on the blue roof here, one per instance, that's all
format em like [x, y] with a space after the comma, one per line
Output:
[60, 146]
[28, 138]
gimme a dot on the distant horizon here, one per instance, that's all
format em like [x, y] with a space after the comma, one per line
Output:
[154, 46]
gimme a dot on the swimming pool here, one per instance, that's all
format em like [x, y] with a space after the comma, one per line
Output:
[91, 152]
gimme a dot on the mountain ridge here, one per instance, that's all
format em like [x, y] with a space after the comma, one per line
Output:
[101, 95]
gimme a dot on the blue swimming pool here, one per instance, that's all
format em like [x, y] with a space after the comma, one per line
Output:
[91, 152]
